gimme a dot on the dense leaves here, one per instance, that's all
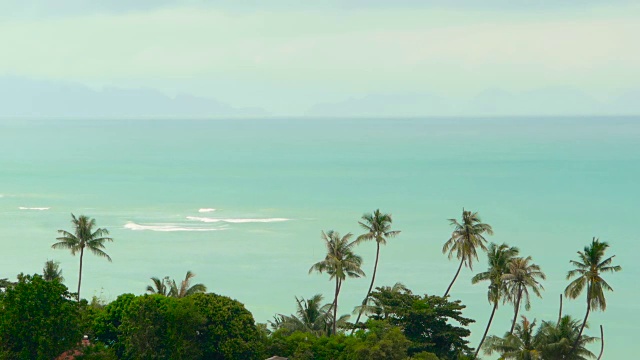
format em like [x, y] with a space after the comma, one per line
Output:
[38, 321]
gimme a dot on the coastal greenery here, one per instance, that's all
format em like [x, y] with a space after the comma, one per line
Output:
[41, 319]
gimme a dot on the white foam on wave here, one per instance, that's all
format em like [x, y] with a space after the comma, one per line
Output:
[165, 228]
[206, 210]
[34, 208]
[235, 221]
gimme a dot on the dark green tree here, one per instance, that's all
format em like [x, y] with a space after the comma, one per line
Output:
[519, 344]
[228, 329]
[378, 227]
[51, 271]
[83, 236]
[160, 327]
[38, 321]
[429, 322]
[499, 257]
[467, 236]
[340, 262]
[106, 325]
[588, 270]
[519, 279]
[556, 341]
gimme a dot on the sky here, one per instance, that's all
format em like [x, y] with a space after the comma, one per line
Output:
[150, 58]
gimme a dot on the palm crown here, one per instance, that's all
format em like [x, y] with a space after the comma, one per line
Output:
[465, 239]
[83, 236]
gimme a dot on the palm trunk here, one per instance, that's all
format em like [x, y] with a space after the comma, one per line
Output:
[586, 316]
[495, 306]
[601, 342]
[454, 278]
[80, 274]
[515, 317]
[373, 278]
[560, 312]
[335, 306]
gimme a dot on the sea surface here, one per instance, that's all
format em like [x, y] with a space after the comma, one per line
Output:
[241, 203]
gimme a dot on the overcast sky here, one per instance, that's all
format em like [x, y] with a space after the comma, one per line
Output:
[335, 57]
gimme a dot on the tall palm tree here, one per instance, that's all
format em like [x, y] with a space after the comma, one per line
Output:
[521, 277]
[159, 286]
[588, 270]
[466, 237]
[340, 262]
[83, 236]
[378, 227]
[555, 341]
[520, 344]
[52, 272]
[185, 288]
[499, 257]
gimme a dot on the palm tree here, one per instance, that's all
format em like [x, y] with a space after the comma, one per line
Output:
[83, 236]
[519, 344]
[159, 286]
[374, 306]
[466, 237]
[588, 270]
[499, 258]
[340, 262]
[311, 316]
[186, 288]
[555, 341]
[52, 272]
[520, 278]
[378, 227]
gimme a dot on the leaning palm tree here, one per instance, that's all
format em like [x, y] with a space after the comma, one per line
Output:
[519, 344]
[159, 286]
[378, 227]
[52, 272]
[185, 288]
[83, 236]
[340, 262]
[519, 279]
[466, 237]
[554, 341]
[499, 257]
[588, 270]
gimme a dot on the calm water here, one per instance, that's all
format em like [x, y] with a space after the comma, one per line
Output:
[545, 185]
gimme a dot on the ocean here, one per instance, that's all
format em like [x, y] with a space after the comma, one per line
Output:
[241, 203]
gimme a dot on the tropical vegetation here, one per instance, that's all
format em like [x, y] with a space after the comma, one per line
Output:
[41, 319]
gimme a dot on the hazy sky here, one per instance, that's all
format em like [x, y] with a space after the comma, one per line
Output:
[302, 57]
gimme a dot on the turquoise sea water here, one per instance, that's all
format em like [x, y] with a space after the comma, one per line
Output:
[546, 185]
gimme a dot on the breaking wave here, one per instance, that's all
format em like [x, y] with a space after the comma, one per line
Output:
[206, 210]
[33, 208]
[235, 221]
[165, 228]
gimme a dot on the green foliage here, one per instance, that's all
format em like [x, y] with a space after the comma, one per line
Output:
[159, 327]
[38, 321]
[106, 323]
[425, 321]
[382, 341]
[97, 352]
[228, 330]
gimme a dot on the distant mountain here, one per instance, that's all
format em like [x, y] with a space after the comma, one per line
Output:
[26, 98]
[540, 102]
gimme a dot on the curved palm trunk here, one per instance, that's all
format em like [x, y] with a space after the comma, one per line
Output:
[601, 342]
[493, 312]
[373, 278]
[560, 312]
[515, 317]
[454, 278]
[335, 306]
[80, 274]
[586, 316]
